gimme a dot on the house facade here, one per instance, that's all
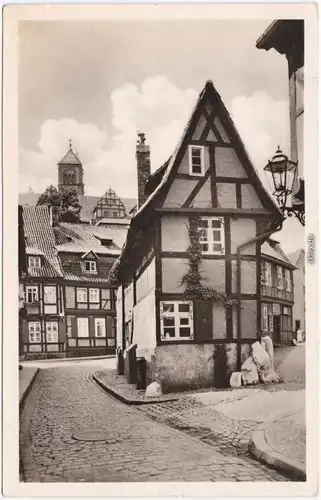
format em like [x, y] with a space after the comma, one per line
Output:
[298, 260]
[277, 292]
[69, 304]
[190, 271]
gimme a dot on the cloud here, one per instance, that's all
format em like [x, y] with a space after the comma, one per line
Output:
[160, 109]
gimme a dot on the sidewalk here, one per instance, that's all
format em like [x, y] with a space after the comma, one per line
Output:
[26, 378]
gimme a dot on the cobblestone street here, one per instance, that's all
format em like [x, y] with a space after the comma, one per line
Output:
[114, 442]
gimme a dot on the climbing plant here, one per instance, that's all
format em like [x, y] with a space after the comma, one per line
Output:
[192, 279]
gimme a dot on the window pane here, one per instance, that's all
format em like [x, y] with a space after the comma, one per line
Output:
[196, 160]
[184, 332]
[169, 332]
[203, 223]
[168, 307]
[204, 247]
[169, 321]
[184, 321]
[197, 169]
[217, 235]
[196, 152]
[217, 247]
[216, 223]
[183, 308]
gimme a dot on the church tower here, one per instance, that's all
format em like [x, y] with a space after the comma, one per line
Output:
[70, 172]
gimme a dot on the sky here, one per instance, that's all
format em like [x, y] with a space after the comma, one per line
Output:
[98, 82]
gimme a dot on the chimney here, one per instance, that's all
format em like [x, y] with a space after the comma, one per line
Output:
[54, 215]
[143, 167]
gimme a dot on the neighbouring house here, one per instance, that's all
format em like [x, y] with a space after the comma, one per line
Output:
[298, 260]
[189, 274]
[277, 296]
[69, 303]
[286, 36]
[22, 264]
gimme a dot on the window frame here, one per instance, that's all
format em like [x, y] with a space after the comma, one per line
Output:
[97, 296]
[97, 321]
[91, 263]
[270, 322]
[268, 274]
[84, 320]
[35, 288]
[51, 332]
[190, 160]
[53, 287]
[36, 332]
[288, 280]
[265, 320]
[34, 259]
[177, 316]
[80, 301]
[279, 278]
[209, 240]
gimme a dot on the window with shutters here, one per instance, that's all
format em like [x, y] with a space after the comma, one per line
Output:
[196, 160]
[50, 295]
[176, 320]
[34, 328]
[100, 327]
[51, 331]
[211, 235]
[265, 325]
[31, 294]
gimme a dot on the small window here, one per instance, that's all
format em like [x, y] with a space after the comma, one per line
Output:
[211, 235]
[115, 214]
[286, 311]
[31, 294]
[34, 262]
[90, 266]
[50, 294]
[270, 322]
[52, 332]
[279, 277]
[82, 327]
[34, 332]
[100, 327]
[176, 320]
[94, 295]
[264, 318]
[196, 160]
[81, 294]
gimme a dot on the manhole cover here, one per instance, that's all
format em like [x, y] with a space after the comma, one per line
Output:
[96, 435]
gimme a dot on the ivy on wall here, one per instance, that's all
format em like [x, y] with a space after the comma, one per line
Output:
[192, 279]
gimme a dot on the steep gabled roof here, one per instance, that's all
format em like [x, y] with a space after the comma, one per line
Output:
[209, 93]
[272, 248]
[40, 239]
[83, 238]
[294, 256]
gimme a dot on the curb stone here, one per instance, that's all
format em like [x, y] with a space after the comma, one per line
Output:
[127, 400]
[262, 451]
[27, 390]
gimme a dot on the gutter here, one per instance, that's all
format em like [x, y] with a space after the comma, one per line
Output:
[238, 283]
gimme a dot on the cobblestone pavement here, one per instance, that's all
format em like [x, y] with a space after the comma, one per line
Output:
[122, 443]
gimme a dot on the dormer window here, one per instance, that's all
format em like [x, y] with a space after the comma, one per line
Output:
[34, 262]
[90, 266]
[196, 160]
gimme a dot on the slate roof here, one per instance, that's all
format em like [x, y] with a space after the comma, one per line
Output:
[40, 237]
[272, 248]
[70, 158]
[88, 203]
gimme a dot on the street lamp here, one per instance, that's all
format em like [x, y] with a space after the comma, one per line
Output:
[284, 174]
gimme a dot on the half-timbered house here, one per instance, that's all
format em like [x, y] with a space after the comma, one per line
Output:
[190, 271]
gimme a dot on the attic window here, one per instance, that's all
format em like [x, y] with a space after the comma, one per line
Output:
[90, 266]
[196, 160]
[34, 262]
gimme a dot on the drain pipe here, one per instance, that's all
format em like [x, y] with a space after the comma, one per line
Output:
[238, 282]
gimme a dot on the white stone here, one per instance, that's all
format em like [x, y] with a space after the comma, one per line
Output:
[250, 375]
[236, 380]
[154, 390]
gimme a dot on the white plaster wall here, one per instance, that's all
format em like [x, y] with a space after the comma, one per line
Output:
[228, 164]
[144, 317]
[175, 236]
[242, 230]
[129, 301]
[119, 323]
[146, 282]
